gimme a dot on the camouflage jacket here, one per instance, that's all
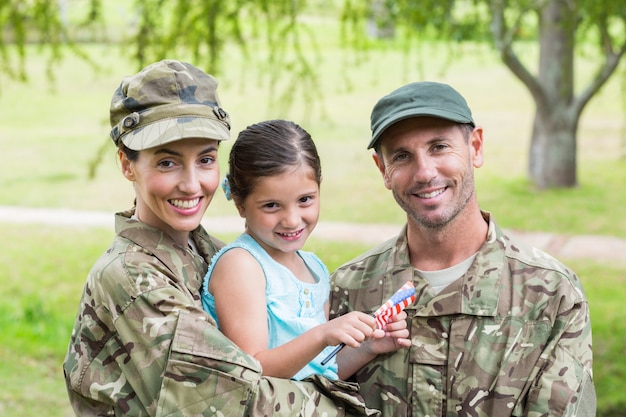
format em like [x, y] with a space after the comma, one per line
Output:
[512, 337]
[143, 346]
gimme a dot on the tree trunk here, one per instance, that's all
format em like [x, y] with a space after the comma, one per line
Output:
[552, 159]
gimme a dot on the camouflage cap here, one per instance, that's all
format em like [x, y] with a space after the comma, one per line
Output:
[164, 102]
[425, 98]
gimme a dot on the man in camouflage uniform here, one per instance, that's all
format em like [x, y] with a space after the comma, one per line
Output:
[499, 328]
[142, 344]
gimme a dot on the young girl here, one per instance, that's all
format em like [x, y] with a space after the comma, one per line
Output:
[267, 295]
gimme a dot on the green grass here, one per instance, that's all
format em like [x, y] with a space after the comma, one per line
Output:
[42, 275]
[605, 286]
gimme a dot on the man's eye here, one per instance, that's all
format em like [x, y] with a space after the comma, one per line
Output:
[400, 157]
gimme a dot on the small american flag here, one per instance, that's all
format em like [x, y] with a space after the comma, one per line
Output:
[404, 297]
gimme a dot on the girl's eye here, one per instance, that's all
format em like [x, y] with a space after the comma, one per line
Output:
[306, 199]
[270, 205]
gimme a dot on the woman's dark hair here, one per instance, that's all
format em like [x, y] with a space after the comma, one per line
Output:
[266, 149]
[130, 154]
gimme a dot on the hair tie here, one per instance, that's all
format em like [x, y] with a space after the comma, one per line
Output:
[226, 188]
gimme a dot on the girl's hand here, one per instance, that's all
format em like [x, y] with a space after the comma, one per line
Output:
[393, 337]
[352, 329]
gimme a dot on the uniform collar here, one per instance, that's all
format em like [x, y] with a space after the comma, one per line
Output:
[181, 261]
[152, 239]
[476, 293]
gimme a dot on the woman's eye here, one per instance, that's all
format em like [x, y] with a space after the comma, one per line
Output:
[208, 160]
[166, 163]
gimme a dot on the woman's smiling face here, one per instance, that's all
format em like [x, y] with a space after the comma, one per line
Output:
[174, 184]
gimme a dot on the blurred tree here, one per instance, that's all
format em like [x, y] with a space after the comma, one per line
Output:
[22, 23]
[564, 31]
[39, 22]
[156, 29]
[207, 28]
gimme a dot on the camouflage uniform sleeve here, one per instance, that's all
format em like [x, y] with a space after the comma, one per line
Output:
[564, 386]
[180, 372]
[206, 374]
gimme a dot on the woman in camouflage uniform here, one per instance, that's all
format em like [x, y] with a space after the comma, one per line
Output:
[141, 344]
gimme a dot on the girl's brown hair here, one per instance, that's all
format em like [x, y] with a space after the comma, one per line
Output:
[266, 149]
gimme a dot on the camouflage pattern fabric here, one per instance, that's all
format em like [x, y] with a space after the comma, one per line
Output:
[512, 337]
[164, 102]
[143, 346]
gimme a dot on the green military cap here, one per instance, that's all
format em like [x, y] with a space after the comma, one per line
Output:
[167, 101]
[424, 98]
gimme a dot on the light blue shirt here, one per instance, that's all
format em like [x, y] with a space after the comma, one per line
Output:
[293, 306]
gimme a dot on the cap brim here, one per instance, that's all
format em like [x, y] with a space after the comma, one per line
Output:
[416, 112]
[170, 130]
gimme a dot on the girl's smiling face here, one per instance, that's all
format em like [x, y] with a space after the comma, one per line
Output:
[282, 210]
[174, 184]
